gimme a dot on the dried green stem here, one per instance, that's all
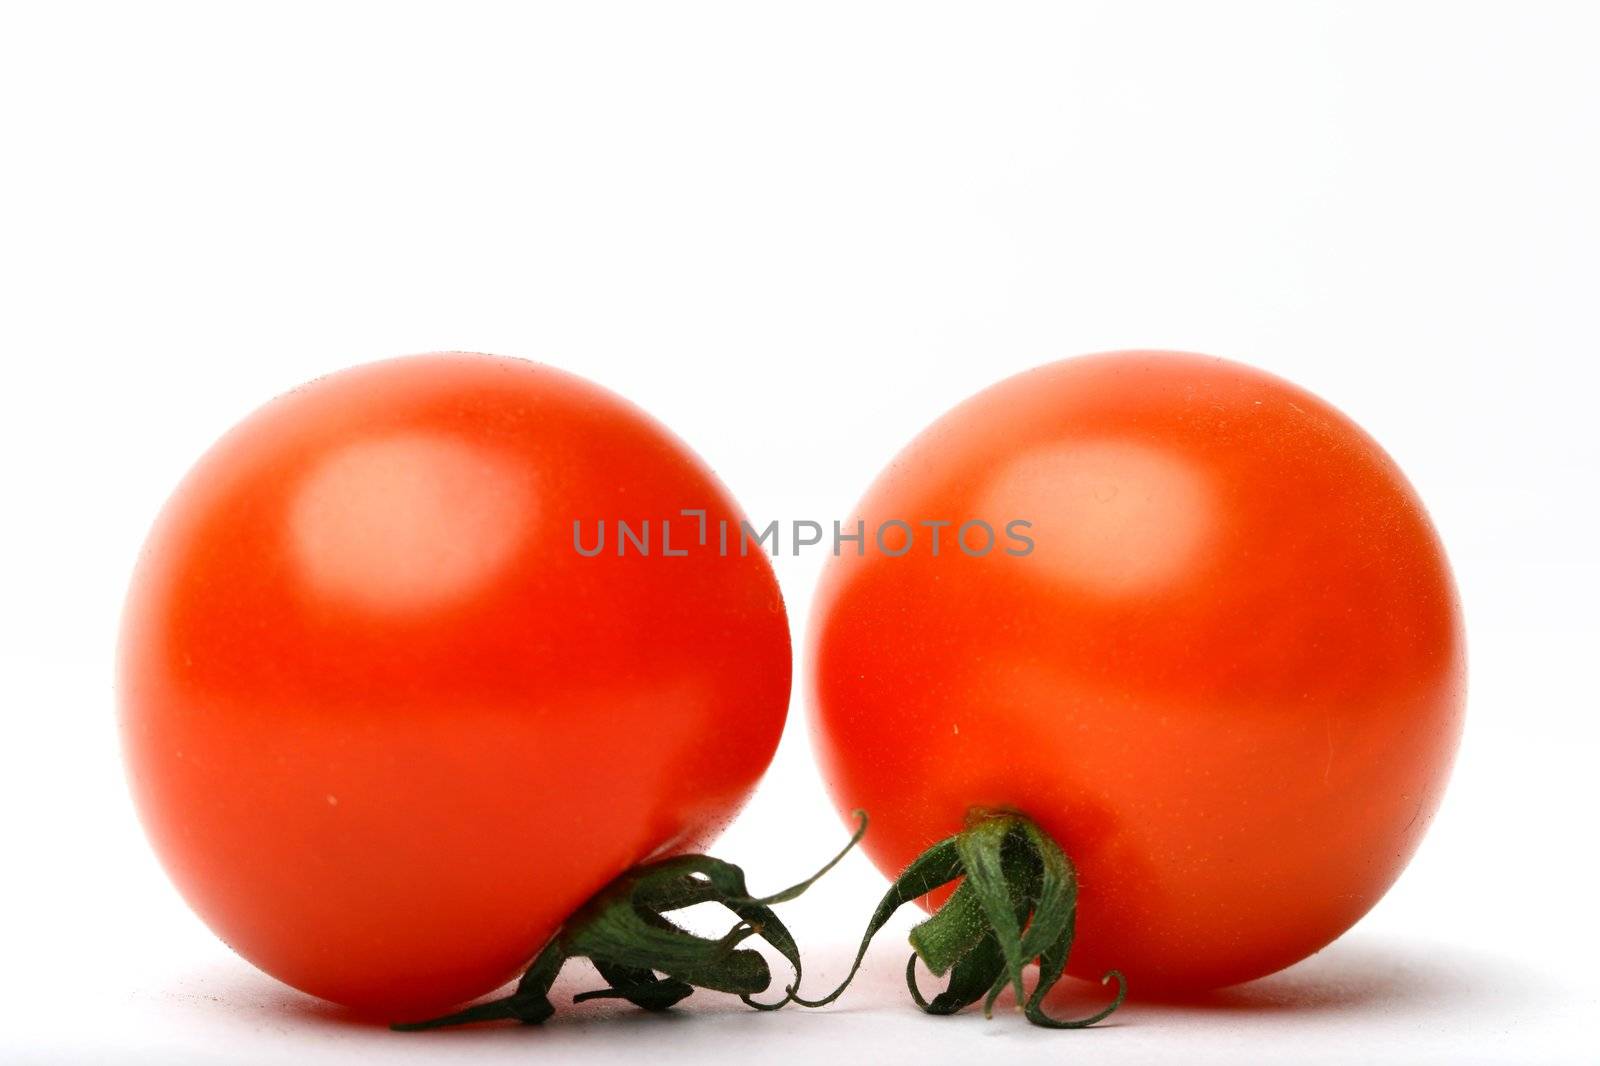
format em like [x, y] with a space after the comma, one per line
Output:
[1016, 902]
[644, 956]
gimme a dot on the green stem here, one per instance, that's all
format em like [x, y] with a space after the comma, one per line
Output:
[644, 956]
[1016, 902]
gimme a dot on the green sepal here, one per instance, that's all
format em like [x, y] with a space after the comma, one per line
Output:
[971, 978]
[644, 956]
[693, 879]
[979, 848]
[641, 987]
[1016, 902]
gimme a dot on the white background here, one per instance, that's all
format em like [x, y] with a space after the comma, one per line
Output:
[796, 234]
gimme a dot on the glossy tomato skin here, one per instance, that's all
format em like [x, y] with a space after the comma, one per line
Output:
[385, 726]
[1229, 677]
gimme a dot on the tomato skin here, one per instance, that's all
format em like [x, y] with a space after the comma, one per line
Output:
[385, 727]
[1229, 678]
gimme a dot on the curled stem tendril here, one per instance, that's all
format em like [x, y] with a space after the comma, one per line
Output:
[1016, 903]
[645, 957]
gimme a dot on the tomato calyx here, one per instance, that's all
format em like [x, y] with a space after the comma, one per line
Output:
[1017, 901]
[645, 957]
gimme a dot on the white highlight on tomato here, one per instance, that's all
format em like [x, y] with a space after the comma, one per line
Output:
[1115, 517]
[407, 522]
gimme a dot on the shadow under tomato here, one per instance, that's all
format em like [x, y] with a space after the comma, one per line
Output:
[1354, 975]
[240, 991]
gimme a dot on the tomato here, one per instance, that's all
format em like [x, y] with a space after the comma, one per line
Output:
[1222, 663]
[385, 726]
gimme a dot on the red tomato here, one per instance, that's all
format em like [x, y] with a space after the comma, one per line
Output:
[385, 726]
[1228, 677]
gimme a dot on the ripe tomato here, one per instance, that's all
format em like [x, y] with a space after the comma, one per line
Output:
[385, 726]
[1228, 677]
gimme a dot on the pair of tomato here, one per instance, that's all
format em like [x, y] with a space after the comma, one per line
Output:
[387, 728]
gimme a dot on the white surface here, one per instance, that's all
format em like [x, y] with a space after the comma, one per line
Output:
[796, 235]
